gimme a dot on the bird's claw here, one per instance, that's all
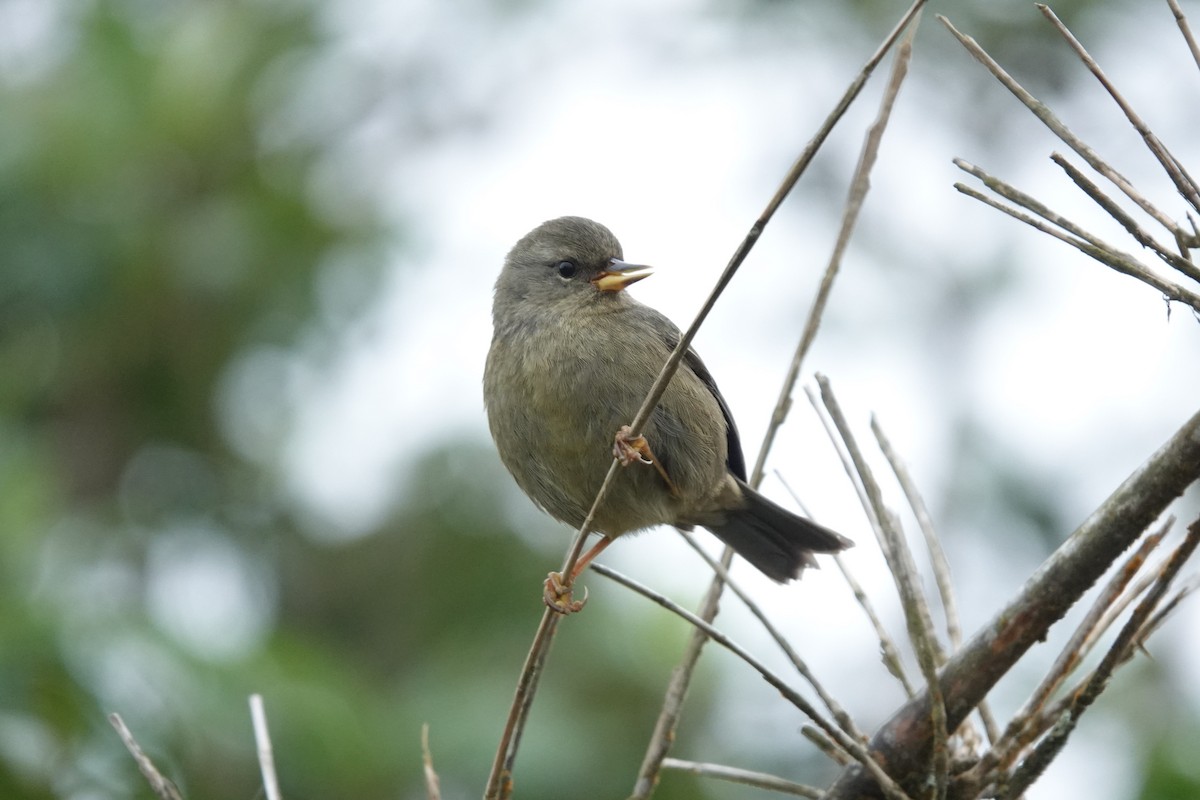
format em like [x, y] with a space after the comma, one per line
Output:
[557, 596]
[628, 448]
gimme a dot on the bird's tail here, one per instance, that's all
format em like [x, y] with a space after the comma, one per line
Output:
[776, 541]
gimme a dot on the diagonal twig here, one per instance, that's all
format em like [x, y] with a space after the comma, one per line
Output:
[1048, 118]
[937, 556]
[908, 585]
[1048, 748]
[1185, 29]
[1022, 728]
[1184, 183]
[902, 743]
[668, 719]
[839, 714]
[1127, 222]
[499, 784]
[745, 777]
[162, 786]
[851, 746]
[937, 559]
[887, 646]
[433, 788]
[1076, 237]
[266, 754]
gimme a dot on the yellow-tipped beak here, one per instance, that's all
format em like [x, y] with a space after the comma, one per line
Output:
[620, 274]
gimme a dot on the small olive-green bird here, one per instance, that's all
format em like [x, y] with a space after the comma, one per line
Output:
[571, 360]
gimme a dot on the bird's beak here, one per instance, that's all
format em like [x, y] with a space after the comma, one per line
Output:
[620, 274]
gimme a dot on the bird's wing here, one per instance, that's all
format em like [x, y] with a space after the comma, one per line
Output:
[735, 460]
[669, 335]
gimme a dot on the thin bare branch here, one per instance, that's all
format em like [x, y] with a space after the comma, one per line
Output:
[826, 745]
[851, 746]
[888, 651]
[266, 754]
[1047, 749]
[1120, 261]
[745, 777]
[1047, 117]
[908, 585]
[681, 678]
[937, 556]
[668, 719]
[1184, 183]
[499, 783]
[163, 787]
[1129, 223]
[903, 742]
[937, 559]
[859, 185]
[1019, 732]
[433, 788]
[1185, 29]
[839, 714]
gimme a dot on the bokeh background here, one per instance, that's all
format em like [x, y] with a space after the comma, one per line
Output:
[246, 255]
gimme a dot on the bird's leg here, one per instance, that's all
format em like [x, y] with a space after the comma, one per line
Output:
[628, 448]
[557, 592]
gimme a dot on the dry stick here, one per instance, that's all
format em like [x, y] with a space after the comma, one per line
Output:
[1185, 29]
[1113, 613]
[887, 646]
[908, 586]
[1052, 122]
[1163, 613]
[1020, 732]
[1083, 241]
[1086, 634]
[839, 714]
[1051, 716]
[681, 677]
[937, 556]
[161, 785]
[903, 741]
[1131, 226]
[499, 783]
[826, 745]
[937, 559]
[745, 777]
[668, 719]
[1046, 750]
[1184, 183]
[1048, 717]
[433, 789]
[859, 185]
[851, 746]
[266, 755]
[1010, 192]
[535, 675]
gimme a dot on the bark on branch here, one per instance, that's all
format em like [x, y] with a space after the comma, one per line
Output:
[902, 744]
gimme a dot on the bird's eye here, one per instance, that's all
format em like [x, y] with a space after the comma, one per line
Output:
[566, 269]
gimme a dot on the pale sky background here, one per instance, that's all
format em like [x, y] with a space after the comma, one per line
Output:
[660, 123]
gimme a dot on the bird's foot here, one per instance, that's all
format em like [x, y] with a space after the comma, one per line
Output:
[557, 596]
[628, 447]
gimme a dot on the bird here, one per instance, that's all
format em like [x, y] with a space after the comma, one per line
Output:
[571, 360]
